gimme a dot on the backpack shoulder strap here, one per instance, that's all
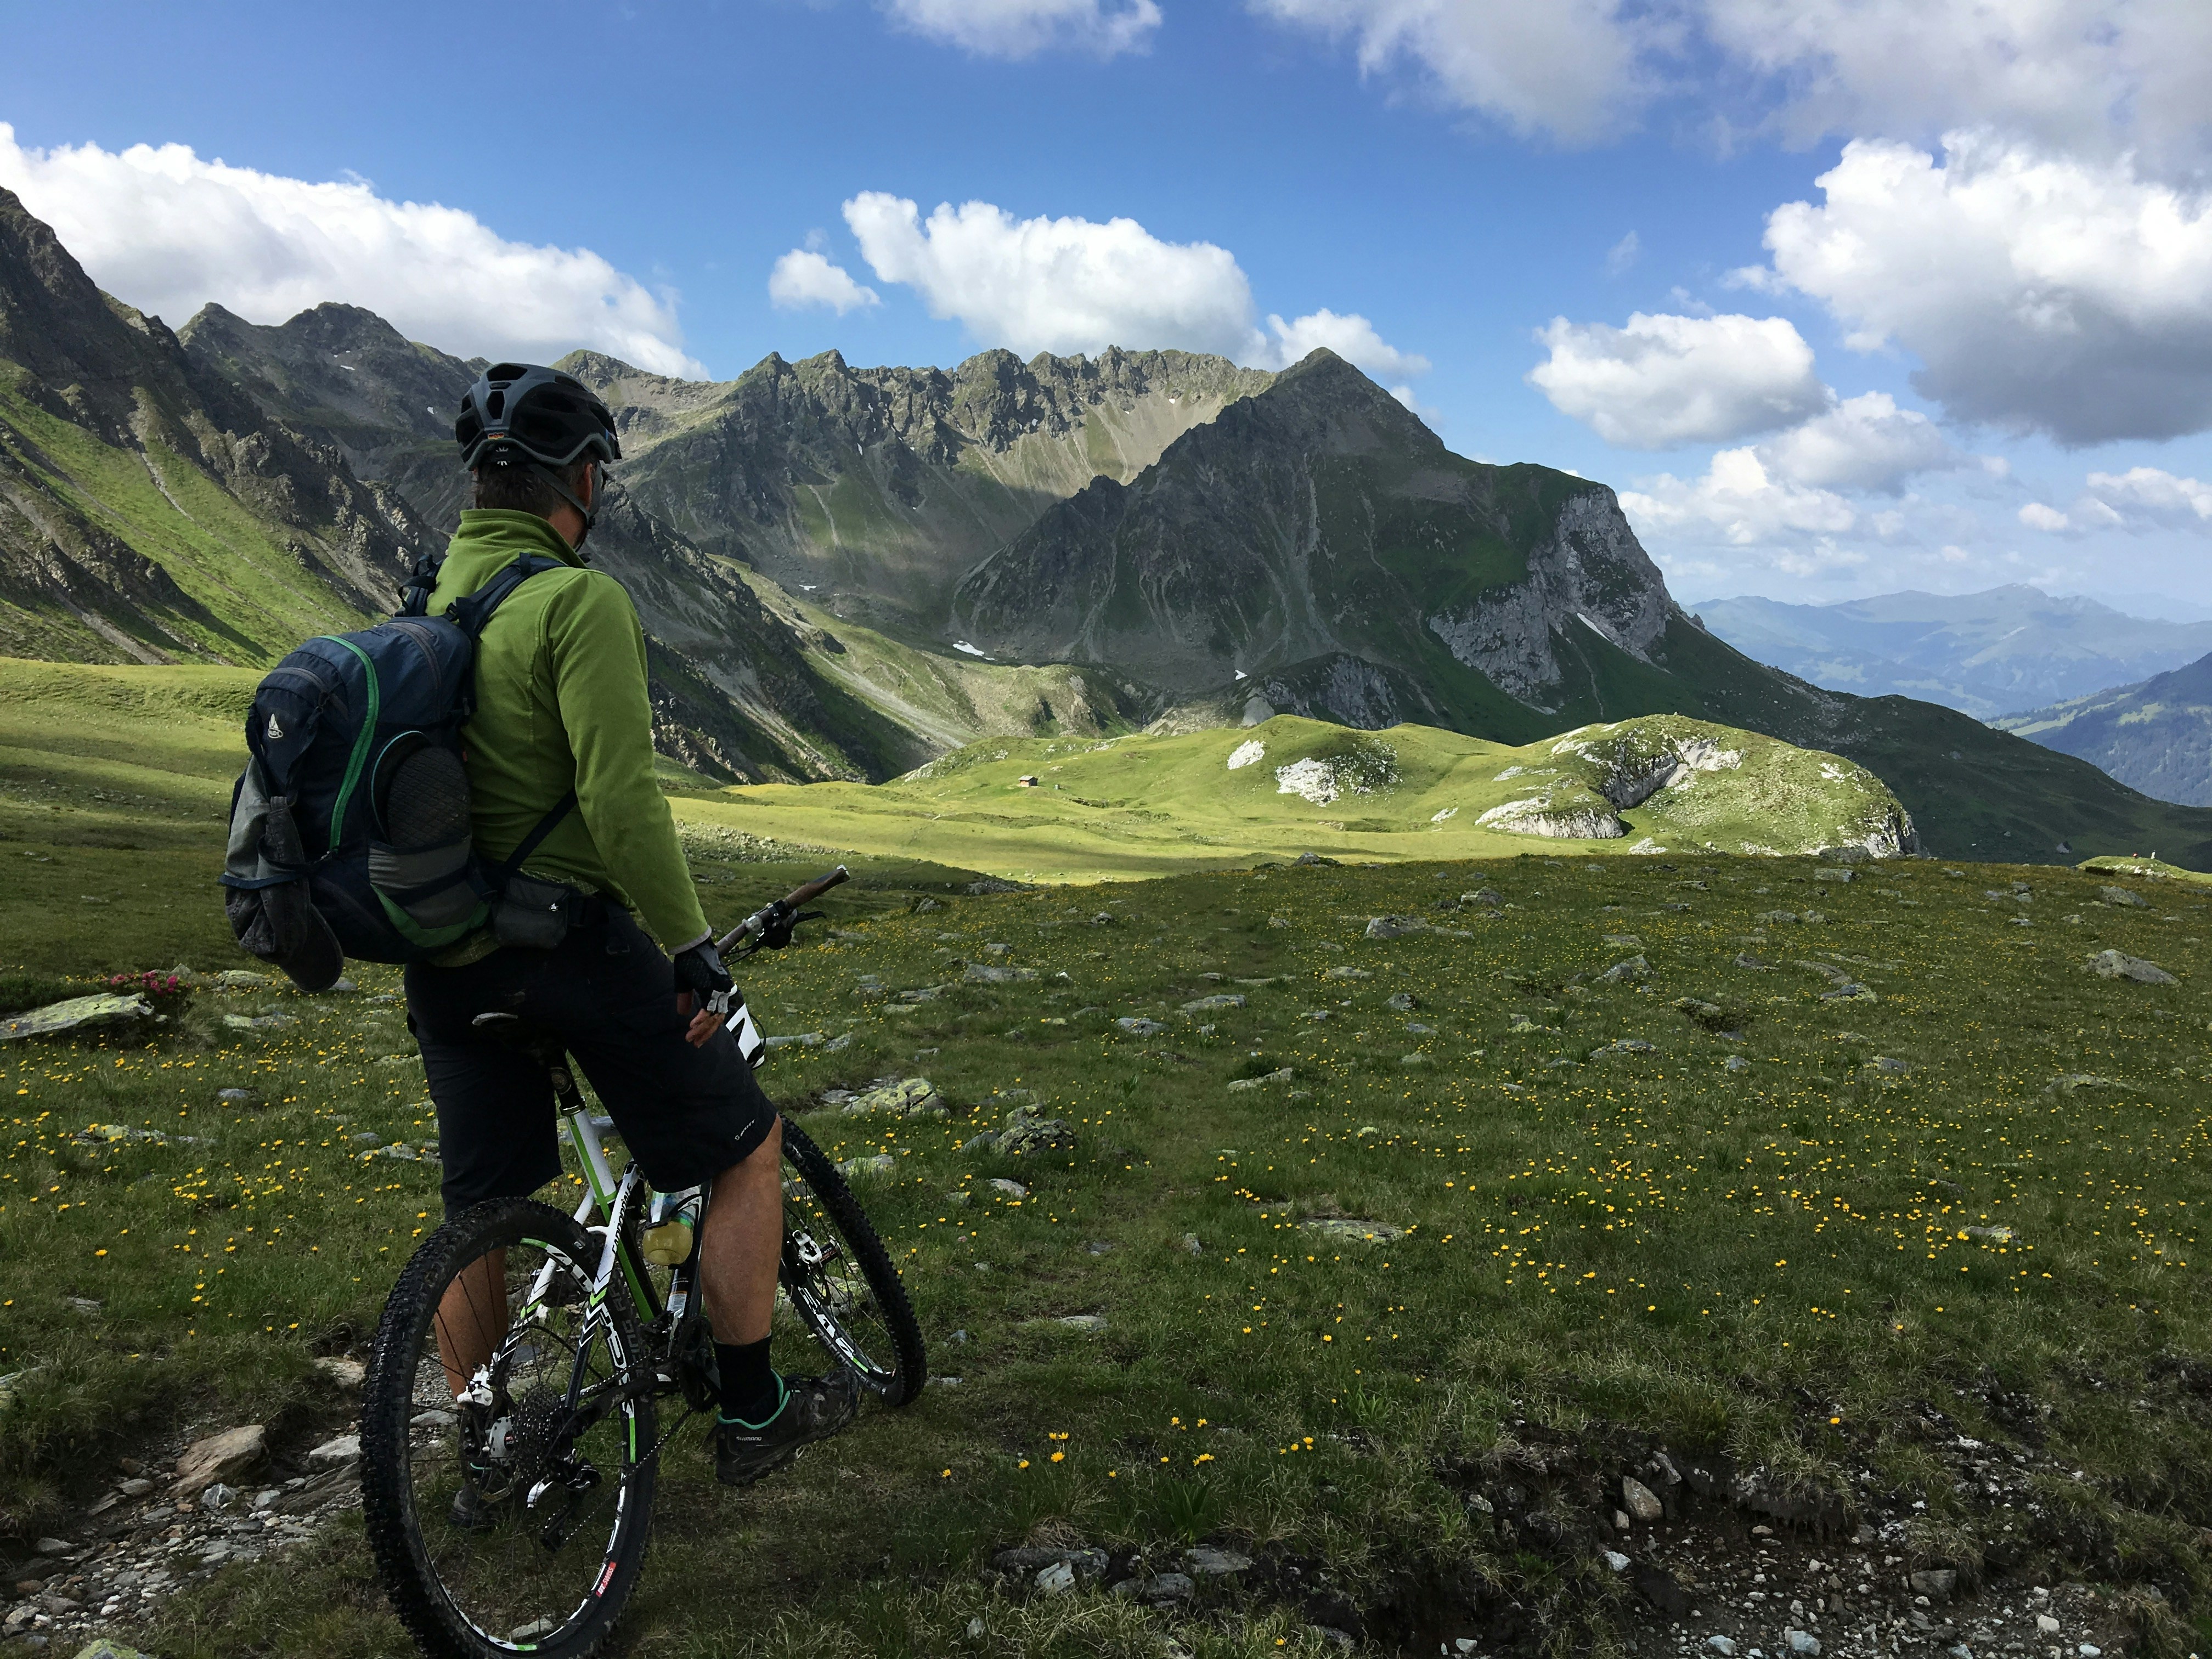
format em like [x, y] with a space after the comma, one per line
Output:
[472, 613]
[512, 866]
[415, 594]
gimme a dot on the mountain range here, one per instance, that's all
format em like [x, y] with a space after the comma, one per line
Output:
[844, 572]
[2155, 737]
[1984, 653]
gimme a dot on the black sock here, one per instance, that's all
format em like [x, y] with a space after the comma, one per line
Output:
[751, 1391]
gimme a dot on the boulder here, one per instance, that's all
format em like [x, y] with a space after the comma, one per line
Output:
[979, 973]
[1137, 1026]
[1210, 1005]
[107, 1010]
[1285, 1075]
[912, 1097]
[2118, 964]
[1639, 1500]
[346, 1373]
[1634, 967]
[1214, 1561]
[1027, 1133]
[1358, 1232]
[857, 1169]
[218, 1458]
[1623, 1046]
[2123, 898]
[1395, 926]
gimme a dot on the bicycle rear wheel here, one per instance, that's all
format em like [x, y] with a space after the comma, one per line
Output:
[513, 1518]
[839, 1279]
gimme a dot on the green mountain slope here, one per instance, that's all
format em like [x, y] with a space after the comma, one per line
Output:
[148, 512]
[2156, 736]
[1157, 804]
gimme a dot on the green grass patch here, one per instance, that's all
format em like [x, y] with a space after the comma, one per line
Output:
[1579, 1244]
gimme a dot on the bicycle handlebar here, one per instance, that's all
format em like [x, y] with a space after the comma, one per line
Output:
[780, 912]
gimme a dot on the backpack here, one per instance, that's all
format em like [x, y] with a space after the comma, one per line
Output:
[349, 827]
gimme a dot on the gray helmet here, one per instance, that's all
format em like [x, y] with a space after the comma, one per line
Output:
[553, 419]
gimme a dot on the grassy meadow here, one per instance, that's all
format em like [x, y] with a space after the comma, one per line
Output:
[1894, 1175]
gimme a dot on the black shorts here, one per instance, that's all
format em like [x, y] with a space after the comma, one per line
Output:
[684, 1113]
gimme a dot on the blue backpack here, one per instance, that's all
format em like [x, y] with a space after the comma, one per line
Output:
[349, 828]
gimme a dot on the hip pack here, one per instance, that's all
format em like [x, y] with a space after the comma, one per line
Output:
[349, 828]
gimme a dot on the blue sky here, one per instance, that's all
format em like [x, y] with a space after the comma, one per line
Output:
[1981, 352]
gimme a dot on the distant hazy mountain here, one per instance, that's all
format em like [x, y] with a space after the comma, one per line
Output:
[1983, 654]
[2155, 737]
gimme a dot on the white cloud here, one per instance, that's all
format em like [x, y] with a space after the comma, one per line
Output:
[167, 232]
[803, 277]
[1567, 70]
[2098, 77]
[1352, 338]
[2080, 74]
[1022, 29]
[1665, 380]
[1738, 502]
[1865, 442]
[1075, 285]
[2041, 293]
[2143, 498]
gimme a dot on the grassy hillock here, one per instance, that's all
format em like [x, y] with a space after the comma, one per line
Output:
[1143, 804]
[1859, 1204]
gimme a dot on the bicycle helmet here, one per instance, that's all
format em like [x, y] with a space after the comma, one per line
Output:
[522, 413]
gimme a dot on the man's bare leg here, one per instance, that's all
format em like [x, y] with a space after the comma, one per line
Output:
[743, 1244]
[472, 1317]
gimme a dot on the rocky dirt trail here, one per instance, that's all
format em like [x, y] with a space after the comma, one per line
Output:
[202, 1500]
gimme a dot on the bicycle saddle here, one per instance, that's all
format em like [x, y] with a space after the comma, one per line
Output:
[517, 1032]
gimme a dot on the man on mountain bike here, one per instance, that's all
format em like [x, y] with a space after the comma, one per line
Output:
[560, 763]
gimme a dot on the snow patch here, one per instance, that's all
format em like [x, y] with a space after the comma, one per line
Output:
[1245, 753]
[1448, 812]
[972, 651]
[1647, 845]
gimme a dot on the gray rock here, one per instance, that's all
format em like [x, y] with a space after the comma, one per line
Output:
[1357, 1233]
[218, 1497]
[1088, 1324]
[1395, 926]
[869, 1169]
[1190, 1245]
[1214, 1562]
[1633, 967]
[979, 973]
[1835, 875]
[1639, 1499]
[259, 1023]
[1209, 1004]
[2117, 964]
[240, 979]
[1736, 1063]
[1012, 1189]
[1137, 1026]
[338, 1449]
[913, 1097]
[1404, 1002]
[1937, 1583]
[1800, 1641]
[1616, 1560]
[106, 1010]
[1057, 1579]
[1889, 1067]
[1285, 1075]
[218, 1458]
[1723, 1646]
[2123, 897]
[1026, 1132]
[240, 1098]
[2073, 1080]
[1347, 973]
[1625, 1046]
[798, 1040]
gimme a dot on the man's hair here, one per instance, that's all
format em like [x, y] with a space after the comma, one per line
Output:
[524, 487]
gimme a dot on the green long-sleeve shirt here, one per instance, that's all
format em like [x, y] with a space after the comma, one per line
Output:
[561, 705]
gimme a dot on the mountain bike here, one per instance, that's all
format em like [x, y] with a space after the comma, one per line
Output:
[509, 1509]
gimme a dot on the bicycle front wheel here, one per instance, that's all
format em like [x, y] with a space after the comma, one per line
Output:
[508, 1440]
[839, 1279]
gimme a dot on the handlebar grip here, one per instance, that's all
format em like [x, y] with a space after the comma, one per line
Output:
[815, 888]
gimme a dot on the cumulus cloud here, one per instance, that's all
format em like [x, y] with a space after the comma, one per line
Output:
[2040, 292]
[2140, 499]
[1352, 338]
[167, 232]
[2088, 76]
[1665, 380]
[1566, 69]
[1865, 442]
[1022, 29]
[1074, 285]
[803, 277]
[2097, 76]
[1737, 501]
